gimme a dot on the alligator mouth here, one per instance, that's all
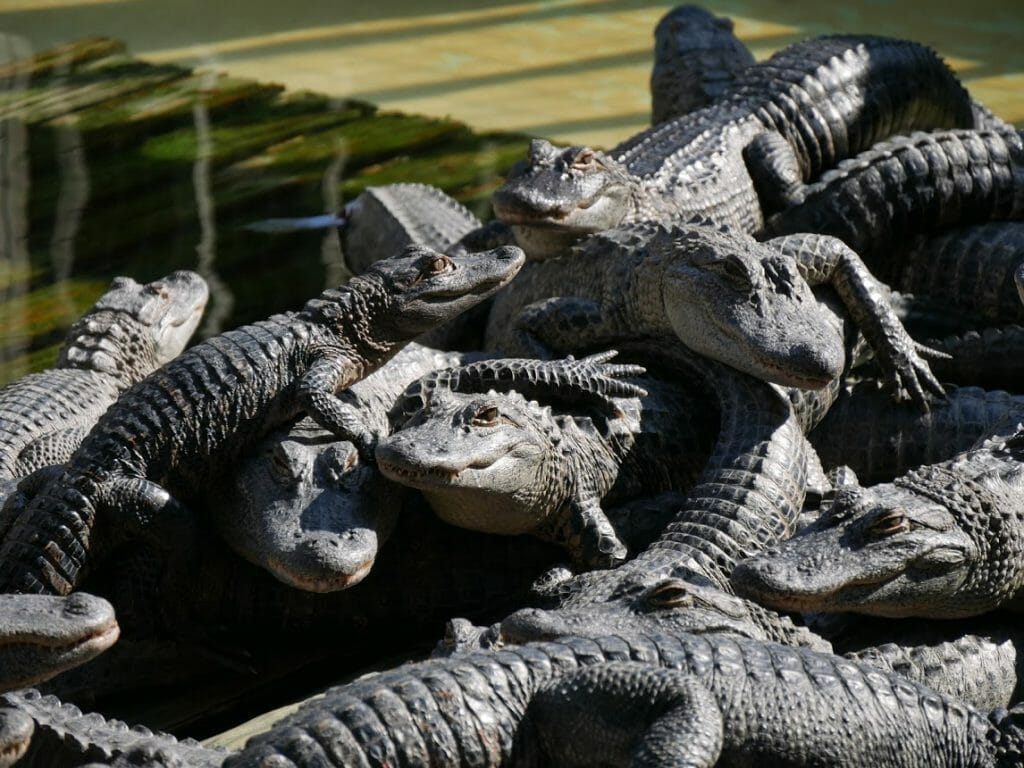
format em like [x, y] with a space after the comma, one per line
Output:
[422, 475]
[335, 582]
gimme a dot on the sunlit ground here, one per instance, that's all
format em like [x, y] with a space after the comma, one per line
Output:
[574, 70]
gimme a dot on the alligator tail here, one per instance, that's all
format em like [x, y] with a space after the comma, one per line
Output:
[46, 545]
[909, 185]
[869, 89]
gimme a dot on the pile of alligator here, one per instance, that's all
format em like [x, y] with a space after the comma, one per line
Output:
[706, 451]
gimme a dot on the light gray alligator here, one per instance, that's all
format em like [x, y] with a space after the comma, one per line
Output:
[760, 703]
[130, 331]
[167, 438]
[787, 119]
[43, 635]
[305, 505]
[696, 61]
[385, 219]
[499, 462]
[726, 296]
[943, 541]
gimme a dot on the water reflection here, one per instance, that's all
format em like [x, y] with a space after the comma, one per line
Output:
[221, 298]
[14, 170]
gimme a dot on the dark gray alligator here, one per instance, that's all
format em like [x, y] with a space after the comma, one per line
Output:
[910, 185]
[499, 462]
[130, 331]
[305, 505]
[167, 438]
[61, 735]
[744, 303]
[768, 703]
[43, 635]
[787, 119]
[945, 540]
[881, 440]
[696, 60]
[970, 268]
[978, 665]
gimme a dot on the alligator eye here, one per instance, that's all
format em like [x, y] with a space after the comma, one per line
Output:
[583, 159]
[669, 594]
[437, 265]
[889, 523]
[731, 270]
[284, 467]
[486, 417]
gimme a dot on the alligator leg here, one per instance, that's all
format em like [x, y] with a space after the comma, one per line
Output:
[622, 713]
[775, 171]
[557, 326]
[316, 392]
[825, 260]
[145, 509]
[588, 535]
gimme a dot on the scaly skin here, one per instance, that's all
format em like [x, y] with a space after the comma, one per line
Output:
[992, 358]
[63, 736]
[723, 294]
[130, 331]
[305, 505]
[787, 119]
[167, 438]
[500, 463]
[778, 705]
[880, 440]
[911, 185]
[41, 635]
[942, 541]
[15, 735]
[697, 59]
[970, 268]
[981, 670]
[385, 219]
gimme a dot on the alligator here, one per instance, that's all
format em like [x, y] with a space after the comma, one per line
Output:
[171, 435]
[786, 120]
[15, 735]
[385, 219]
[880, 440]
[941, 541]
[43, 635]
[61, 735]
[696, 61]
[773, 704]
[744, 303]
[501, 463]
[970, 268]
[130, 331]
[981, 669]
[909, 185]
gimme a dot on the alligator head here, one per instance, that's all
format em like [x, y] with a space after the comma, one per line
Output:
[42, 635]
[134, 328]
[649, 602]
[423, 288]
[483, 462]
[930, 544]
[732, 299]
[304, 508]
[557, 196]
[16, 729]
